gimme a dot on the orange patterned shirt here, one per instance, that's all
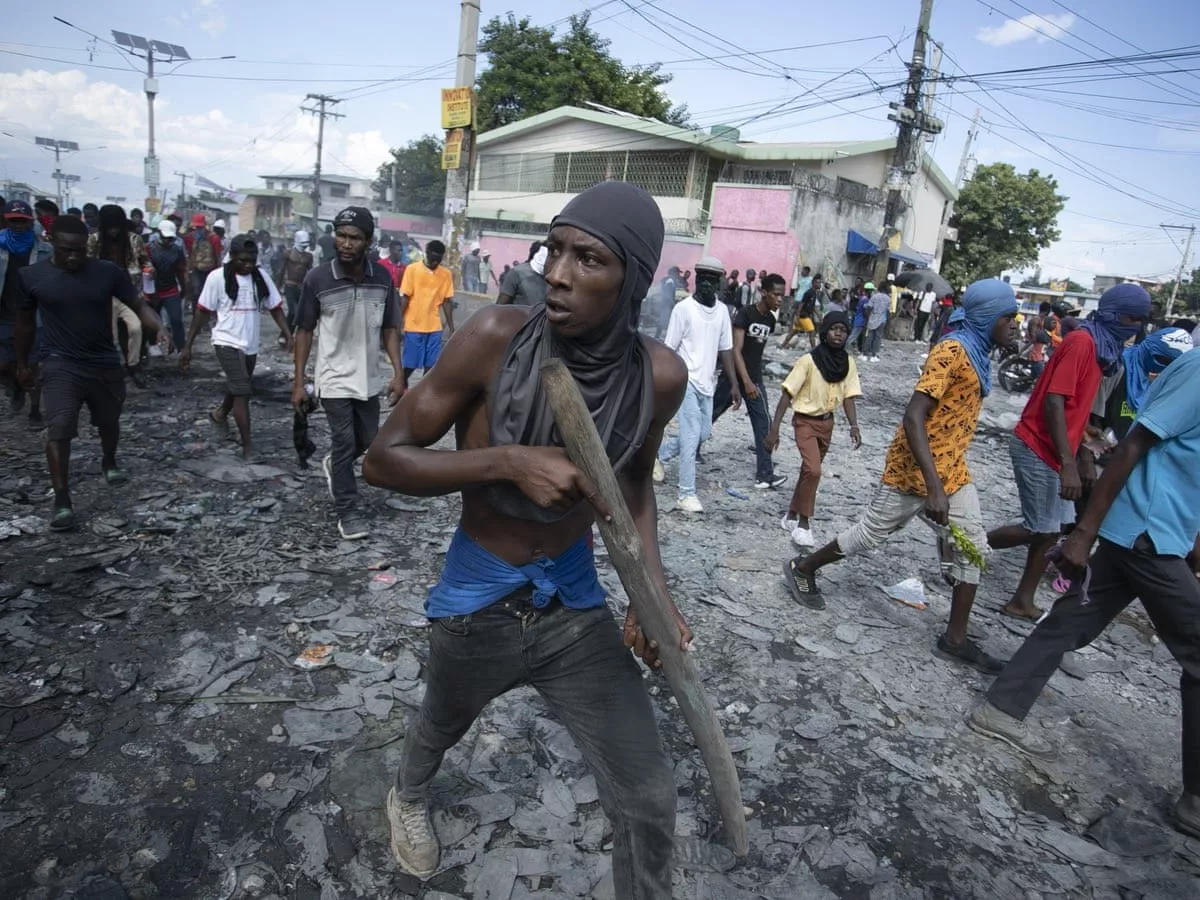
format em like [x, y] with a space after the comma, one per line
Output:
[950, 379]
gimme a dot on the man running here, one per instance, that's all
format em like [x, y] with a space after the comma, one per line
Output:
[699, 331]
[74, 296]
[926, 468]
[426, 294]
[19, 247]
[519, 601]
[1145, 510]
[1044, 444]
[204, 250]
[235, 294]
[751, 328]
[355, 304]
[169, 260]
[818, 383]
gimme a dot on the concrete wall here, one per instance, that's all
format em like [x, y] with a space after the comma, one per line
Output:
[923, 222]
[869, 168]
[820, 223]
[750, 228]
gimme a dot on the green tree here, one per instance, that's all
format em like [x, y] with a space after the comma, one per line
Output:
[415, 173]
[531, 70]
[1187, 297]
[1004, 219]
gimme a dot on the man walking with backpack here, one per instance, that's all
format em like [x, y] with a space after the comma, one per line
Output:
[204, 250]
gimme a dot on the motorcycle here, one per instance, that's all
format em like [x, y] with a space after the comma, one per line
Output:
[1018, 373]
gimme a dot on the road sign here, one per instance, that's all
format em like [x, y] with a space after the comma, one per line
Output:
[151, 170]
[457, 107]
[452, 153]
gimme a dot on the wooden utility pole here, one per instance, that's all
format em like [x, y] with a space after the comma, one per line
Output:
[322, 114]
[458, 177]
[1183, 262]
[906, 160]
[960, 179]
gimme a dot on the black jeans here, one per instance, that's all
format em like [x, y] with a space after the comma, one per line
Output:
[1171, 595]
[919, 328]
[291, 294]
[760, 423]
[353, 424]
[576, 661]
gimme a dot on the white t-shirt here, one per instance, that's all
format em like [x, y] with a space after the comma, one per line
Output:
[238, 322]
[927, 300]
[698, 333]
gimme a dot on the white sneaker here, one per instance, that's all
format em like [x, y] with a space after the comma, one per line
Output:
[874, 359]
[414, 844]
[660, 474]
[689, 504]
[803, 537]
[788, 523]
[775, 482]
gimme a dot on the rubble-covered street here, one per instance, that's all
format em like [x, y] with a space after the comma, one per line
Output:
[203, 691]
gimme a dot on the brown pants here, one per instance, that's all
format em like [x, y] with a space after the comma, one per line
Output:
[812, 440]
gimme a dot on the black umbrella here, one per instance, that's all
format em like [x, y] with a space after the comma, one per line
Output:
[916, 279]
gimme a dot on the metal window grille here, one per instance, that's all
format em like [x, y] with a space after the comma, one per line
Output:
[662, 173]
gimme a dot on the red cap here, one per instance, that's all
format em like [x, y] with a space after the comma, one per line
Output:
[199, 220]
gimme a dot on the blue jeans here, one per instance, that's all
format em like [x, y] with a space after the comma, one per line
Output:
[760, 423]
[576, 661]
[695, 427]
[875, 340]
[173, 307]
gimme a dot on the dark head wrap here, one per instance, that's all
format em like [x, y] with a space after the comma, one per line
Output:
[832, 362]
[244, 243]
[611, 365]
[1105, 325]
[358, 216]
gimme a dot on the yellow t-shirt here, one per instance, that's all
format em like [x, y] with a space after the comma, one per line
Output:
[950, 379]
[812, 395]
[426, 289]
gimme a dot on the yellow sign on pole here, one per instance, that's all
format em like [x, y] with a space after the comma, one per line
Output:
[452, 151]
[457, 106]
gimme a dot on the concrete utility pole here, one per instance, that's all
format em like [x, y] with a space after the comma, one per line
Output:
[1183, 262]
[959, 179]
[322, 114]
[458, 180]
[182, 186]
[906, 160]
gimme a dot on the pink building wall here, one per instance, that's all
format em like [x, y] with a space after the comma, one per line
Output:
[505, 249]
[683, 254]
[751, 229]
[391, 222]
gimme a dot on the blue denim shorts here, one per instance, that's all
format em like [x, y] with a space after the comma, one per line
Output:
[1043, 511]
[421, 350]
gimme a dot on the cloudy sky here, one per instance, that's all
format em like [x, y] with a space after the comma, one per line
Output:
[1122, 143]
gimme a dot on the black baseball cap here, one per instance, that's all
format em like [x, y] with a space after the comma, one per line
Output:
[243, 243]
[17, 209]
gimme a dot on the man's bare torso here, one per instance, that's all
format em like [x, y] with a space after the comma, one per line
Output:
[296, 264]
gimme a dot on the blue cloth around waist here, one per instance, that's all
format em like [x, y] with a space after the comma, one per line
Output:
[473, 579]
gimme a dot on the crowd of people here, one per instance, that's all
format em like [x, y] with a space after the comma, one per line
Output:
[1106, 449]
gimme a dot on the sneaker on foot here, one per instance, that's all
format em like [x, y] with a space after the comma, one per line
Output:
[327, 468]
[771, 483]
[970, 653]
[115, 476]
[992, 722]
[789, 523]
[63, 519]
[803, 537]
[353, 528]
[660, 474]
[689, 504]
[414, 844]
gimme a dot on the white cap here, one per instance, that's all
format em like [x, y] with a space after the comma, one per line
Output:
[220, 223]
[167, 228]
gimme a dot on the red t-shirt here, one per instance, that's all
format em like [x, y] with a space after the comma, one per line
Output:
[1074, 373]
[396, 270]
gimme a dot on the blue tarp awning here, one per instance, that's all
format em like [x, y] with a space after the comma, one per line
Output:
[856, 242]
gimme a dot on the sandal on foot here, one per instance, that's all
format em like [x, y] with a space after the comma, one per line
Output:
[219, 421]
[802, 585]
[115, 476]
[1004, 611]
[63, 519]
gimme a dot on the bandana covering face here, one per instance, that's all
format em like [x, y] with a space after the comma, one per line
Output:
[610, 365]
[982, 304]
[1149, 358]
[20, 243]
[1105, 326]
[832, 362]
